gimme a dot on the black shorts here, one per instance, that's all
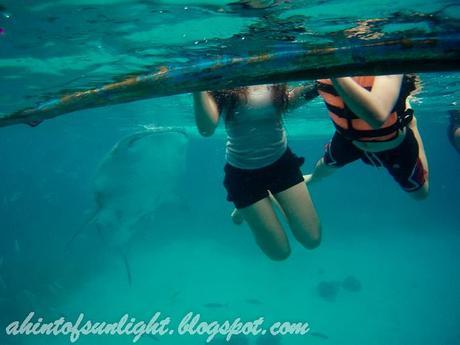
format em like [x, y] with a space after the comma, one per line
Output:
[247, 186]
[402, 162]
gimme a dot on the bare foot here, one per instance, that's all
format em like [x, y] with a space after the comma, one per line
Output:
[307, 178]
[237, 217]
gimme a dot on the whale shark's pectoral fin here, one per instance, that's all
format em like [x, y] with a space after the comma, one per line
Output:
[91, 220]
[34, 123]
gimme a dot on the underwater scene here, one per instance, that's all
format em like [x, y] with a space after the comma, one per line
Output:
[115, 224]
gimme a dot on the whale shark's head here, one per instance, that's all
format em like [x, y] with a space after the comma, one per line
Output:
[142, 172]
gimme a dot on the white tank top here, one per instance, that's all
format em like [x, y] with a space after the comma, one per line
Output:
[255, 134]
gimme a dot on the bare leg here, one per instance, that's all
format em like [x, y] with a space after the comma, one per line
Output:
[422, 193]
[267, 229]
[301, 215]
[321, 171]
[457, 139]
[238, 219]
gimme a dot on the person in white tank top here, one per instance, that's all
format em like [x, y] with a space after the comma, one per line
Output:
[261, 170]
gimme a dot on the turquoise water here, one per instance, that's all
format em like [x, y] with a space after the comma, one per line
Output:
[187, 255]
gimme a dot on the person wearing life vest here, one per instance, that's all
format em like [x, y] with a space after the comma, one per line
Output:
[374, 123]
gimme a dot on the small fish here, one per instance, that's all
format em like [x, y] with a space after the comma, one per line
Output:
[29, 296]
[2, 283]
[56, 312]
[175, 294]
[127, 267]
[15, 197]
[153, 337]
[254, 301]
[215, 305]
[319, 335]
[17, 248]
[57, 285]
[52, 289]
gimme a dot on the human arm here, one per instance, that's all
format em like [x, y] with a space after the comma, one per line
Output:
[373, 106]
[206, 113]
[301, 94]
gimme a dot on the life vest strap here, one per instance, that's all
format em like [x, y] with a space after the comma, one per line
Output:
[341, 112]
[403, 120]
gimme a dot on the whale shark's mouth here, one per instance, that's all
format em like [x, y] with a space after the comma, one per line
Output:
[166, 129]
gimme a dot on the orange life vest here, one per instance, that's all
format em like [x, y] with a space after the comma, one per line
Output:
[349, 124]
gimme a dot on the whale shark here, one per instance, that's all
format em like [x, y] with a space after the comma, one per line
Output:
[141, 173]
